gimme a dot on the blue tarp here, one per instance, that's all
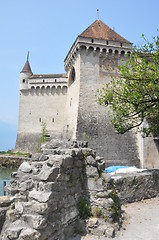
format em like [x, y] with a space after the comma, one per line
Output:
[113, 168]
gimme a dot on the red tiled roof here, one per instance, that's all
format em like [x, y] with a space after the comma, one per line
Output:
[99, 30]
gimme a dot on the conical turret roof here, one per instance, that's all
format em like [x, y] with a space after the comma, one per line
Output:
[27, 67]
[100, 30]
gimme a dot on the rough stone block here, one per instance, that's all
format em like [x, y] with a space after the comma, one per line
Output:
[35, 207]
[67, 162]
[40, 196]
[93, 185]
[5, 201]
[48, 174]
[25, 167]
[29, 234]
[35, 221]
[68, 216]
[19, 207]
[91, 171]
[13, 232]
[91, 161]
[109, 232]
[54, 160]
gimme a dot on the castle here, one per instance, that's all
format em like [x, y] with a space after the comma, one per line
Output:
[67, 102]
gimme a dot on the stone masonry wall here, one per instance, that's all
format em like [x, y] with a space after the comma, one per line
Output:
[52, 195]
[93, 121]
[136, 186]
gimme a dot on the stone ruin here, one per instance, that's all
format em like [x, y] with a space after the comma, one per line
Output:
[61, 192]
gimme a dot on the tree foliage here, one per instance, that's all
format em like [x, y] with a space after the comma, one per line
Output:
[134, 97]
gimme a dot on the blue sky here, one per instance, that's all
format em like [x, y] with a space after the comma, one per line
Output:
[48, 28]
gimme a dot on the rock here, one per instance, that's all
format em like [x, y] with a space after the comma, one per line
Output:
[92, 223]
[48, 174]
[13, 232]
[55, 161]
[35, 221]
[25, 167]
[36, 157]
[43, 157]
[91, 171]
[94, 185]
[30, 234]
[99, 231]
[109, 232]
[105, 194]
[67, 162]
[91, 161]
[100, 163]
[19, 207]
[5, 201]
[40, 196]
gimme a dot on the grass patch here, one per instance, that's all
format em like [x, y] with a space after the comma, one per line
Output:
[11, 153]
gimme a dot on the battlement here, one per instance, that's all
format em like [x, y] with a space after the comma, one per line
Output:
[45, 83]
[97, 46]
[45, 90]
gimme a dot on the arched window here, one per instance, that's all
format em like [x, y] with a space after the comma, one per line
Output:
[122, 53]
[42, 90]
[32, 90]
[53, 90]
[58, 90]
[116, 52]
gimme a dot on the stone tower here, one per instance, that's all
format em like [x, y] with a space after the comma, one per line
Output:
[90, 63]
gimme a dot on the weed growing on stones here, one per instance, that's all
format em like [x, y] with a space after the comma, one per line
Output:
[84, 209]
[95, 178]
[98, 212]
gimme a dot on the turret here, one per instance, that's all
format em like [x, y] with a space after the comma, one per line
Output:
[25, 74]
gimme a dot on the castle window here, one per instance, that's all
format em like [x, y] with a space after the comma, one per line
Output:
[121, 44]
[23, 80]
[92, 40]
[53, 120]
[43, 80]
[107, 42]
[110, 51]
[39, 119]
[122, 53]
[72, 76]
[55, 80]
[98, 49]
[116, 52]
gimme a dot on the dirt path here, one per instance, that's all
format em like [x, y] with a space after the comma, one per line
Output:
[141, 223]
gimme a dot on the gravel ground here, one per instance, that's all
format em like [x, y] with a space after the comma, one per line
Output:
[141, 222]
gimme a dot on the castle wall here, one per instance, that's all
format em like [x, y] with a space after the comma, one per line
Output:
[93, 123]
[72, 103]
[150, 152]
[40, 104]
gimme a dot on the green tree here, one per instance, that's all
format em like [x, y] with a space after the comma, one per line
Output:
[134, 97]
